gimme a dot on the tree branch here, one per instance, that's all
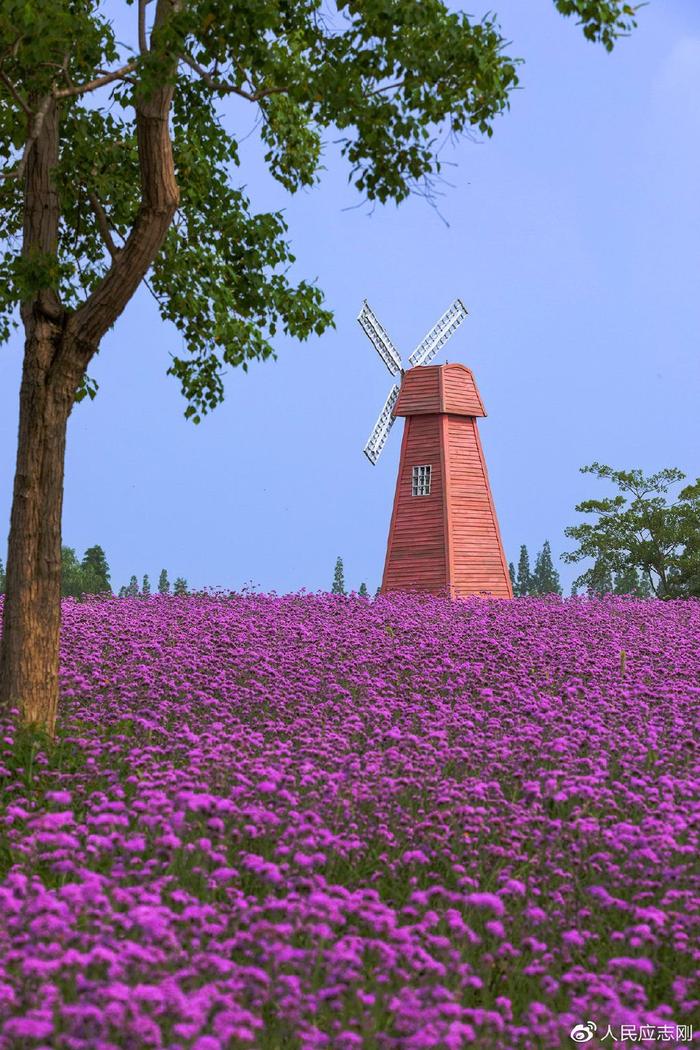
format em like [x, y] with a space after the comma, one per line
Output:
[98, 82]
[143, 41]
[230, 89]
[159, 201]
[387, 87]
[15, 93]
[35, 130]
[103, 224]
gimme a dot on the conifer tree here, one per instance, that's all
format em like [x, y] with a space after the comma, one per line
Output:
[338, 577]
[132, 591]
[95, 571]
[599, 579]
[2, 578]
[545, 578]
[363, 592]
[524, 577]
[180, 586]
[146, 586]
[163, 582]
[122, 592]
[513, 578]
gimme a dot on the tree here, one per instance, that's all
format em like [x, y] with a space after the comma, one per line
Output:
[2, 577]
[643, 529]
[630, 581]
[163, 582]
[338, 586]
[71, 574]
[95, 571]
[513, 578]
[523, 580]
[120, 167]
[600, 578]
[180, 586]
[363, 592]
[132, 591]
[545, 578]
[146, 586]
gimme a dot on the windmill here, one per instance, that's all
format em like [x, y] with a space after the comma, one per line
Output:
[444, 536]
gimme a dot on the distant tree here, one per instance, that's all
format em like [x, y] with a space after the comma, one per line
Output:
[599, 579]
[513, 577]
[630, 581]
[2, 578]
[95, 571]
[123, 592]
[338, 577]
[378, 591]
[146, 586]
[363, 592]
[163, 582]
[71, 574]
[523, 580]
[132, 591]
[642, 528]
[180, 586]
[545, 578]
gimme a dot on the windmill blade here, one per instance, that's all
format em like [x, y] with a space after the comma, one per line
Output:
[381, 342]
[377, 438]
[439, 334]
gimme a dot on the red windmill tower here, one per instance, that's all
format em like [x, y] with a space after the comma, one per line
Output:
[444, 535]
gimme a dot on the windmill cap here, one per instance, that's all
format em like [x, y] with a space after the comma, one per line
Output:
[437, 389]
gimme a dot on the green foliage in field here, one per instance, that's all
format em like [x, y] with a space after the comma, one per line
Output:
[641, 535]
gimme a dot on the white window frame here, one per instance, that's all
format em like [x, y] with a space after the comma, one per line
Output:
[421, 478]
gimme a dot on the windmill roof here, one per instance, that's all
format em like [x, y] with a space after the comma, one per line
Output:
[433, 389]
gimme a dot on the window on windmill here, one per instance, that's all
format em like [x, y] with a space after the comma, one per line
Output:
[421, 481]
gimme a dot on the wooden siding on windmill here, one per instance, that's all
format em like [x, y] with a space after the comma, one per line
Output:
[460, 395]
[416, 553]
[476, 551]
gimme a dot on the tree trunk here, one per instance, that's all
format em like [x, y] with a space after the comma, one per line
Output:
[58, 349]
[29, 655]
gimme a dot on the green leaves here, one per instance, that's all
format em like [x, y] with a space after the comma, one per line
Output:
[385, 80]
[640, 529]
[602, 20]
[221, 277]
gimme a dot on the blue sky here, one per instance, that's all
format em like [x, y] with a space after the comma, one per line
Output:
[573, 239]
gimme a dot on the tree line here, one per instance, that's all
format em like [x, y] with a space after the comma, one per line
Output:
[133, 590]
[91, 575]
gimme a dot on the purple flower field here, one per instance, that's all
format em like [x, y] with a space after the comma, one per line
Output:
[330, 822]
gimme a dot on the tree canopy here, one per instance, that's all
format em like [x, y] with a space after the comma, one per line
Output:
[641, 529]
[384, 79]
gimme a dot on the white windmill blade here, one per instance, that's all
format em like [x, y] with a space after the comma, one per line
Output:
[439, 334]
[381, 342]
[377, 438]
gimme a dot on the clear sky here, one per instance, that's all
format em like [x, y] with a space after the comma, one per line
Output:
[574, 241]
